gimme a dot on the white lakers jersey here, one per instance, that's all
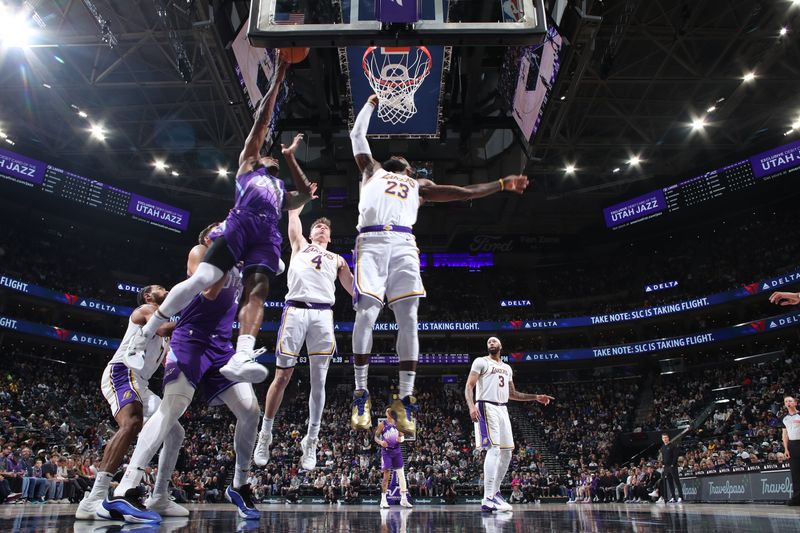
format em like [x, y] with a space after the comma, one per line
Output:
[312, 276]
[388, 199]
[495, 378]
[154, 353]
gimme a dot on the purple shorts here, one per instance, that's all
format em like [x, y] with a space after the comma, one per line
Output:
[253, 239]
[391, 458]
[199, 360]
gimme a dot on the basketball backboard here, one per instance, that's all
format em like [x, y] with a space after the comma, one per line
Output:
[338, 23]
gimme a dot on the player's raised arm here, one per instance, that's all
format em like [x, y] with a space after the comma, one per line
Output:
[432, 192]
[301, 183]
[258, 133]
[358, 137]
[142, 314]
[296, 238]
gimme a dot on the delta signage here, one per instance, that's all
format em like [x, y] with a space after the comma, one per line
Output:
[60, 334]
[655, 287]
[744, 291]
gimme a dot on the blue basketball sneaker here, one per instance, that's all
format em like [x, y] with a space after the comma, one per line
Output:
[243, 499]
[128, 508]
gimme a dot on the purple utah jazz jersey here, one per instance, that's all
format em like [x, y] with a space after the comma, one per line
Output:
[211, 319]
[260, 192]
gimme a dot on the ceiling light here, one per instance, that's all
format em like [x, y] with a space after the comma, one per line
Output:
[3, 135]
[750, 76]
[634, 160]
[796, 124]
[160, 165]
[98, 132]
[9, 141]
[711, 109]
[615, 170]
[789, 132]
[59, 59]
[14, 30]
[82, 114]
[569, 169]
[699, 123]
[47, 86]
[783, 31]
[175, 173]
[563, 98]
[222, 172]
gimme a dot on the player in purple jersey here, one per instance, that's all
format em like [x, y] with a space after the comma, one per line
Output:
[249, 235]
[389, 438]
[199, 347]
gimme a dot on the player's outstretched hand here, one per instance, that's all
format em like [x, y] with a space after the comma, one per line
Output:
[785, 298]
[515, 183]
[313, 190]
[473, 413]
[544, 399]
[291, 149]
[373, 99]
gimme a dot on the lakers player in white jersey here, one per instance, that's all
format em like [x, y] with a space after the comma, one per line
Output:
[387, 262]
[132, 402]
[307, 318]
[495, 387]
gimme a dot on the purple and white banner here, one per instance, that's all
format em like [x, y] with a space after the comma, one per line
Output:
[158, 213]
[635, 209]
[660, 286]
[773, 161]
[20, 168]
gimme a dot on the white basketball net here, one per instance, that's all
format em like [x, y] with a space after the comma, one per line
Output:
[395, 74]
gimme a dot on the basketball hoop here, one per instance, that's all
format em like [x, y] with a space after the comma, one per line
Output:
[395, 74]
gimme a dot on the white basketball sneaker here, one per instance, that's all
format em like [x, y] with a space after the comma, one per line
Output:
[164, 506]
[309, 460]
[261, 455]
[243, 367]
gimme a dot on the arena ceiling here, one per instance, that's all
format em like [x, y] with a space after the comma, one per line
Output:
[632, 85]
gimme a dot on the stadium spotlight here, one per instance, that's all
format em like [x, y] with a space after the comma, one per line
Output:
[783, 31]
[698, 123]
[160, 165]
[711, 109]
[616, 169]
[222, 172]
[15, 32]
[570, 169]
[98, 132]
[175, 173]
[750, 76]
[634, 161]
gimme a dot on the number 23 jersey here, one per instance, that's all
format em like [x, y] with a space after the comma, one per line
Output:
[494, 379]
[312, 276]
[388, 199]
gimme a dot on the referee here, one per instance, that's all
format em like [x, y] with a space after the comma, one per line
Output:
[791, 444]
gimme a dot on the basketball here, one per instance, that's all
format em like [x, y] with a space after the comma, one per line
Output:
[293, 55]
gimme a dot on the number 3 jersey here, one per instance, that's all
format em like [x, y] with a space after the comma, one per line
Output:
[494, 380]
[388, 199]
[312, 276]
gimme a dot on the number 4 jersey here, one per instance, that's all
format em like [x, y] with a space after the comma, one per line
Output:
[312, 276]
[388, 199]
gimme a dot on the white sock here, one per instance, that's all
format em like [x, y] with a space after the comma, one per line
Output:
[167, 460]
[266, 425]
[503, 461]
[313, 431]
[245, 343]
[489, 472]
[406, 383]
[101, 484]
[153, 324]
[240, 477]
[361, 373]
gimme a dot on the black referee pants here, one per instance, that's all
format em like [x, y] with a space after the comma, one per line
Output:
[670, 476]
[794, 466]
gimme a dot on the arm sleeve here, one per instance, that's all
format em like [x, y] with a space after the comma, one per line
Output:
[358, 136]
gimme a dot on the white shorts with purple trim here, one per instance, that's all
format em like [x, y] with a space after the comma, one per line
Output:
[494, 427]
[387, 267]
